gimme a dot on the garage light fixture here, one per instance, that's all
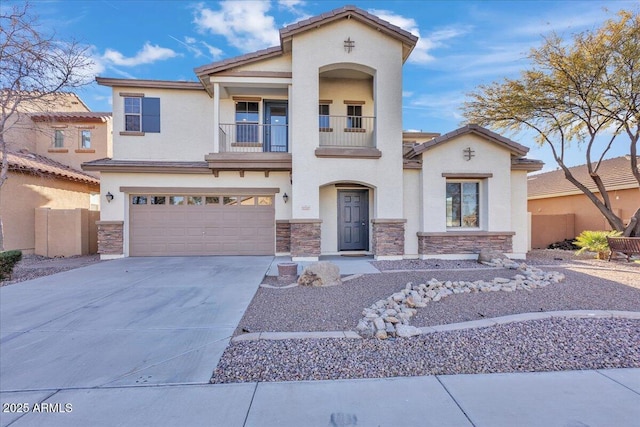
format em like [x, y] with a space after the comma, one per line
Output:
[285, 197]
[109, 197]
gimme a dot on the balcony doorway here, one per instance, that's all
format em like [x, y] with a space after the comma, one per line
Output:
[275, 126]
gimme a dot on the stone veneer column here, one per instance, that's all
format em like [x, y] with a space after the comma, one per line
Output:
[388, 238]
[305, 238]
[283, 236]
[110, 237]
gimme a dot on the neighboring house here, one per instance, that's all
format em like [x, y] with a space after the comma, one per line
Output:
[561, 211]
[36, 183]
[58, 132]
[298, 149]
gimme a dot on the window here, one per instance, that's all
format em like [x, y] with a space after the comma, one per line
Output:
[247, 119]
[138, 200]
[85, 139]
[133, 114]
[58, 138]
[265, 201]
[354, 116]
[248, 201]
[158, 200]
[323, 114]
[230, 201]
[141, 114]
[176, 200]
[463, 204]
[194, 200]
[212, 200]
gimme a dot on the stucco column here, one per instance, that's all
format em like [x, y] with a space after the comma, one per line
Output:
[216, 117]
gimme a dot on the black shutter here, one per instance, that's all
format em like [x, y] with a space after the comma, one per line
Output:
[151, 114]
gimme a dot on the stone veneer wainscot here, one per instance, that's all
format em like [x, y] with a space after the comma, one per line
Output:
[468, 242]
[388, 237]
[305, 238]
[110, 237]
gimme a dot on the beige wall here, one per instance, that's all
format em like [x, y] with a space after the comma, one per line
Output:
[519, 218]
[186, 127]
[23, 193]
[587, 216]
[412, 207]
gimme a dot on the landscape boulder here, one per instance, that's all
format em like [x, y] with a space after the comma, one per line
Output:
[321, 273]
[486, 256]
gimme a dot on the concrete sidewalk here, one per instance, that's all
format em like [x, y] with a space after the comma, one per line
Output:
[569, 399]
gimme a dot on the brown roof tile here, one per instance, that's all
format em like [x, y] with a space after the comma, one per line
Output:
[101, 117]
[615, 173]
[237, 61]
[514, 147]
[25, 161]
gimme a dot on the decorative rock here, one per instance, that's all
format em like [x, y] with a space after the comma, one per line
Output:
[407, 331]
[321, 273]
[390, 317]
[486, 256]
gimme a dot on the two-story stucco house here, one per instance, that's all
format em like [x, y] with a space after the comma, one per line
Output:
[298, 149]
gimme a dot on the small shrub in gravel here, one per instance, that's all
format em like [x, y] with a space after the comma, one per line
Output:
[8, 259]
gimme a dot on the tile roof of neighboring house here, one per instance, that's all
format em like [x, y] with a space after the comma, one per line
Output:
[25, 161]
[615, 174]
[514, 147]
[152, 84]
[99, 117]
[289, 31]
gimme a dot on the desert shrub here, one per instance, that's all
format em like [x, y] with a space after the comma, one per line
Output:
[595, 241]
[8, 259]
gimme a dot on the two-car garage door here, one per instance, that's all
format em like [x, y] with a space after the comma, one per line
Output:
[199, 224]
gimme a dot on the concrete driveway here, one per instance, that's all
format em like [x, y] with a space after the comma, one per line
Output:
[128, 322]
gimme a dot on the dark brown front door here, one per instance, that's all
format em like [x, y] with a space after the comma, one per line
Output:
[353, 220]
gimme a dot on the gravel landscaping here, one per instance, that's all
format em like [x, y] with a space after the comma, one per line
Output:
[540, 345]
[34, 266]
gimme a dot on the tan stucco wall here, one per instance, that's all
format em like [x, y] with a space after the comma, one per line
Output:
[495, 192]
[186, 127]
[23, 193]
[65, 232]
[74, 156]
[412, 208]
[280, 63]
[519, 217]
[381, 56]
[586, 215]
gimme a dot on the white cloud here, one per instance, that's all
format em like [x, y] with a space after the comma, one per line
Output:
[407, 94]
[147, 55]
[444, 105]
[420, 54]
[292, 5]
[245, 24]
[214, 52]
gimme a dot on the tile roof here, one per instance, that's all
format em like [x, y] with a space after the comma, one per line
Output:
[308, 24]
[615, 173]
[514, 147]
[57, 116]
[25, 161]
[113, 165]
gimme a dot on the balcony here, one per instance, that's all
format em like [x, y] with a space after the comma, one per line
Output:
[347, 136]
[253, 138]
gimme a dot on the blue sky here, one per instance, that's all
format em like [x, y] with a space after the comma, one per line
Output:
[462, 43]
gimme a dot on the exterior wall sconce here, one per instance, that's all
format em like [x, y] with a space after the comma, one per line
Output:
[285, 197]
[109, 197]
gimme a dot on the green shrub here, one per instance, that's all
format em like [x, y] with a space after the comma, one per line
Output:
[595, 241]
[8, 260]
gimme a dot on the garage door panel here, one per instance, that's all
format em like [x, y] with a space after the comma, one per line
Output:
[157, 230]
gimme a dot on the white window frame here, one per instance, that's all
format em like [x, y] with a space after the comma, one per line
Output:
[133, 114]
[58, 138]
[82, 139]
